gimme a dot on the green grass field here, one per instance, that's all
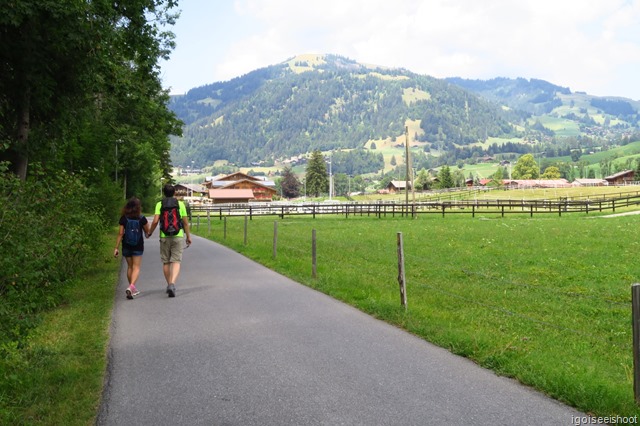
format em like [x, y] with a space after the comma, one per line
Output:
[544, 300]
[562, 127]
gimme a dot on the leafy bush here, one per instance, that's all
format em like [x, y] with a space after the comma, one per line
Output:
[49, 224]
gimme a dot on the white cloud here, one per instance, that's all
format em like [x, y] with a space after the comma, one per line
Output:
[586, 44]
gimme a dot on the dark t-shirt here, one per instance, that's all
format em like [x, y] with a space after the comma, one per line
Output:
[140, 246]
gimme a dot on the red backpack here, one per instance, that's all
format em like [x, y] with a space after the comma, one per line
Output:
[170, 221]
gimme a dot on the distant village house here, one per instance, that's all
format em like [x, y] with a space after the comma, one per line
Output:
[239, 187]
[624, 177]
[396, 186]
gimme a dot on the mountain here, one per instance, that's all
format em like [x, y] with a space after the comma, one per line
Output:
[540, 98]
[329, 102]
[534, 96]
[326, 102]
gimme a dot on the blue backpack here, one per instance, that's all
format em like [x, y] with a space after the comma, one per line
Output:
[132, 232]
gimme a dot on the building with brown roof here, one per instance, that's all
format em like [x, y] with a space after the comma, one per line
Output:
[621, 178]
[397, 186]
[218, 196]
[262, 190]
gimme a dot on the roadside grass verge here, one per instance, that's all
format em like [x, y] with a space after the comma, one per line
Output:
[545, 300]
[57, 377]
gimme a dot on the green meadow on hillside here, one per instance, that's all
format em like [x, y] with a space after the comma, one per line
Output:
[562, 127]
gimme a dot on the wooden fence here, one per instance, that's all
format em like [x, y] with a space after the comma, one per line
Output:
[383, 209]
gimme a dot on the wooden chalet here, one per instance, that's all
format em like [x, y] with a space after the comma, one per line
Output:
[262, 190]
[237, 176]
[622, 178]
[396, 186]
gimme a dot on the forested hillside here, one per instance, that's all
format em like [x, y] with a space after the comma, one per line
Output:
[535, 97]
[538, 98]
[326, 102]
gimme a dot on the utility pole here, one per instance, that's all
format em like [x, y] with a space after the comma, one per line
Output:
[412, 175]
[330, 176]
[406, 162]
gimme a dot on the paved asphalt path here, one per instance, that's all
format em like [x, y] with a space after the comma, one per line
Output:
[243, 345]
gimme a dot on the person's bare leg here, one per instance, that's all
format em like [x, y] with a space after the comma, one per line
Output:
[166, 270]
[135, 269]
[175, 271]
[129, 268]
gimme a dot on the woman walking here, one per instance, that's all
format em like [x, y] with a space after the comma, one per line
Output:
[132, 225]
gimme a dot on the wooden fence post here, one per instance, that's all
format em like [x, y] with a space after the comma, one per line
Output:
[635, 315]
[313, 254]
[225, 227]
[401, 274]
[275, 238]
[245, 229]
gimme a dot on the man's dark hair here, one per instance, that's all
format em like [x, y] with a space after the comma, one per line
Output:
[168, 190]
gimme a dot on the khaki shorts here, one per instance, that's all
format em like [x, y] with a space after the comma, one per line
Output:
[171, 249]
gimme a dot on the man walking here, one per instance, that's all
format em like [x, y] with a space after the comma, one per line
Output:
[171, 214]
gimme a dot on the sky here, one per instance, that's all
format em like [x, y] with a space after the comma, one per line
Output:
[591, 46]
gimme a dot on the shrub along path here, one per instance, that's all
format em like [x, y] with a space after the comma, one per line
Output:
[241, 344]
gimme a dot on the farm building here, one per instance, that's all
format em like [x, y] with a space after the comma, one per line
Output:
[590, 182]
[539, 183]
[190, 190]
[396, 186]
[218, 196]
[622, 178]
[262, 190]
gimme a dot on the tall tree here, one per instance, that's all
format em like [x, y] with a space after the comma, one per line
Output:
[289, 184]
[497, 178]
[423, 182]
[77, 76]
[341, 183]
[526, 168]
[316, 175]
[445, 179]
[551, 172]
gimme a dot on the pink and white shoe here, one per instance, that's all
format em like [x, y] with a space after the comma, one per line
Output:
[132, 291]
